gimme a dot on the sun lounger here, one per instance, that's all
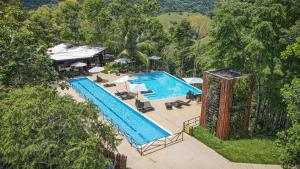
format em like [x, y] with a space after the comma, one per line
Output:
[191, 96]
[109, 85]
[184, 103]
[143, 106]
[121, 93]
[168, 105]
[99, 79]
[146, 92]
[126, 97]
[177, 105]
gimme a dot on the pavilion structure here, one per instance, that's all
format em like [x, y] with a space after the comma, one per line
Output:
[226, 102]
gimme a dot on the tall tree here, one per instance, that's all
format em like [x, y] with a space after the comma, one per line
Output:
[40, 129]
[184, 38]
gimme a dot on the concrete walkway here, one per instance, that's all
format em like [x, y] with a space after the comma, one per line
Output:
[188, 154]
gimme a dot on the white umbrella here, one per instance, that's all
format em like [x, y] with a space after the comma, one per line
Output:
[154, 58]
[78, 64]
[123, 79]
[122, 61]
[193, 80]
[138, 87]
[96, 69]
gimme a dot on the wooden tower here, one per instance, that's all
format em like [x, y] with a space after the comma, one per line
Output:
[226, 102]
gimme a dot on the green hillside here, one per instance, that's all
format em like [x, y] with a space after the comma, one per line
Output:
[202, 6]
[199, 22]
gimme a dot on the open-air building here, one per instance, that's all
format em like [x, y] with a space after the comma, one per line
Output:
[63, 55]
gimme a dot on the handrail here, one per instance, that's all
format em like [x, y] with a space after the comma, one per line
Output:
[190, 124]
[160, 143]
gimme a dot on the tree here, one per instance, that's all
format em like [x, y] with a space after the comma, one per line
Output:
[68, 20]
[184, 38]
[22, 56]
[132, 29]
[247, 36]
[42, 23]
[289, 140]
[40, 129]
[96, 20]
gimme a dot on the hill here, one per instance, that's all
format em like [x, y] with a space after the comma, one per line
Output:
[201, 6]
[199, 22]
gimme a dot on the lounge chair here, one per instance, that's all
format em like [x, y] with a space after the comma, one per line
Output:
[99, 79]
[169, 106]
[176, 104]
[190, 96]
[121, 93]
[126, 97]
[184, 103]
[146, 92]
[123, 71]
[109, 85]
[143, 106]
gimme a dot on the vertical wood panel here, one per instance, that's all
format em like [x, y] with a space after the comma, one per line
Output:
[204, 99]
[223, 122]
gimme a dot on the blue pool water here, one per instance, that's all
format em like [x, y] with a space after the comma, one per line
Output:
[131, 123]
[164, 85]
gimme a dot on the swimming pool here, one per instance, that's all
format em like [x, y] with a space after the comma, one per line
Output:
[164, 85]
[129, 121]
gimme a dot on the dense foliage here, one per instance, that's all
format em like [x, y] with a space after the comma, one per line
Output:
[289, 140]
[40, 129]
[249, 36]
[22, 55]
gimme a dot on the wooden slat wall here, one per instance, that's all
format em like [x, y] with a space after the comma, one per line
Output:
[204, 99]
[223, 122]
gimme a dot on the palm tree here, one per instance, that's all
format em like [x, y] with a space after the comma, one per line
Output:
[138, 49]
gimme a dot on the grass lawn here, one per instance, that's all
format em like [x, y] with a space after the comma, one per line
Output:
[198, 21]
[244, 150]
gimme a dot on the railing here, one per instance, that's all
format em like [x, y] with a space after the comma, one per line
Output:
[190, 124]
[143, 149]
[160, 143]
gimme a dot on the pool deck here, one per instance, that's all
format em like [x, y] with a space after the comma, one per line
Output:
[190, 154]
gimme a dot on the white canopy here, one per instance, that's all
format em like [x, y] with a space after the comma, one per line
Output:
[78, 64]
[123, 79]
[193, 80]
[138, 87]
[124, 60]
[96, 69]
[154, 58]
[68, 52]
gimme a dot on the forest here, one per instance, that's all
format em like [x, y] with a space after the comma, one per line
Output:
[259, 37]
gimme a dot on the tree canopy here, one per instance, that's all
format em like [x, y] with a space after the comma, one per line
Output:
[22, 55]
[40, 129]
